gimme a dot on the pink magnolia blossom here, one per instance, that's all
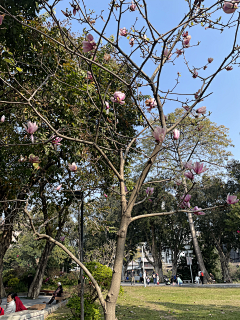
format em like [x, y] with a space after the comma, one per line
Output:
[107, 107]
[201, 110]
[118, 97]
[89, 75]
[178, 182]
[188, 165]
[195, 73]
[176, 134]
[2, 118]
[185, 201]
[31, 128]
[133, 6]
[131, 42]
[149, 191]
[186, 108]
[151, 103]
[62, 239]
[197, 211]
[210, 60]
[123, 32]
[126, 189]
[229, 6]
[89, 44]
[72, 167]
[238, 231]
[189, 175]
[186, 39]
[17, 255]
[229, 68]
[56, 141]
[33, 159]
[199, 168]
[1, 18]
[178, 52]
[186, 198]
[105, 195]
[59, 187]
[165, 54]
[232, 199]
[184, 205]
[159, 134]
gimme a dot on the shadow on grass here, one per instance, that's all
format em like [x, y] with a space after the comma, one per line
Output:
[142, 313]
[199, 311]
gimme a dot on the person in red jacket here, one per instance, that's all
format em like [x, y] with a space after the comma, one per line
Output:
[19, 304]
[1, 309]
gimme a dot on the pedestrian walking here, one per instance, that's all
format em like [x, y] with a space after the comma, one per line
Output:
[145, 278]
[132, 277]
[154, 278]
[202, 277]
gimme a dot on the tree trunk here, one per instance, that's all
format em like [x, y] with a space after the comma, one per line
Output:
[224, 263]
[197, 250]
[174, 263]
[2, 290]
[159, 271]
[36, 285]
[5, 241]
[113, 292]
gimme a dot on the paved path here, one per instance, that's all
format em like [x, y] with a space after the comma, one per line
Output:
[30, 302]
[216, 285]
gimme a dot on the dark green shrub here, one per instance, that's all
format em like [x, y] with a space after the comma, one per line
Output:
[91, 310]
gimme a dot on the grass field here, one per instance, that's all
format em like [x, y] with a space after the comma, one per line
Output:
[151, 303]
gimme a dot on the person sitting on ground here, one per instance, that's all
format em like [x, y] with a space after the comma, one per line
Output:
[179, 281]
[19, 304]
[11, 305]
[212, 277]
[1, 309]
[57, 293]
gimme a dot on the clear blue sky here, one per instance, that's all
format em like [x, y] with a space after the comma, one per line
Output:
[164, 14]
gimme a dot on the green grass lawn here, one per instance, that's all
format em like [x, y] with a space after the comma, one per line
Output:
[139, 303]
[178, 303]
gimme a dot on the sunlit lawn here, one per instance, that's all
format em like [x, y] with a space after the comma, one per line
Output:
[179, 303]
[171, 303]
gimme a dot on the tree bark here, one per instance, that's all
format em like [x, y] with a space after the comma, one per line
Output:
[224, 263]
[36, 285]
[174, 262]
[197, 250]
[5, 241]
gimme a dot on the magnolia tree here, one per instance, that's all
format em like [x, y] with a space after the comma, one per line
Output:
[142, 53]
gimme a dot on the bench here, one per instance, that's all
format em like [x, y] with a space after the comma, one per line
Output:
[187, 281]
[45, 292]
[63, 297]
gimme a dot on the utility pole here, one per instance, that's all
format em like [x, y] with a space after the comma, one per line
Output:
[80, 235]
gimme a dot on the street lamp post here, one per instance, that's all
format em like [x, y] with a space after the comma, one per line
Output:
[189, 258]
[79, 195]
[144, 278]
